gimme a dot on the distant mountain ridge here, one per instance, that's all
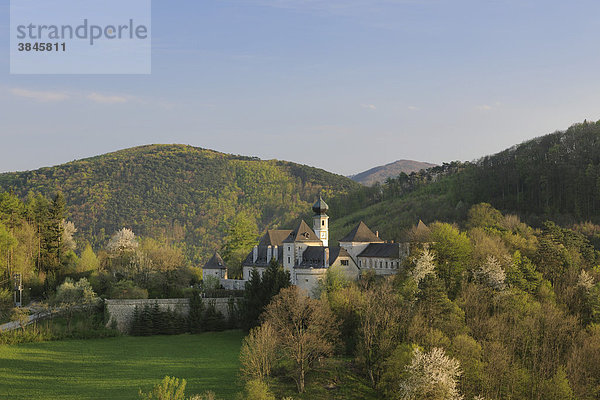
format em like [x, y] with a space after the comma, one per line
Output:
[391, 170]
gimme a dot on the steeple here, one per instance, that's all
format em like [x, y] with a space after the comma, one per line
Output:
[320, 207]
[321, 221]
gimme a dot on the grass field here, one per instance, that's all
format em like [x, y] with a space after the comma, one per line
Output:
[116, 368]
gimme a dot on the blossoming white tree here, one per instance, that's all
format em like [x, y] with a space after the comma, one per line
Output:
[122, 240]
[67, 236]
[424, 266]
[491, 273]
[431, 375]
[585, 280]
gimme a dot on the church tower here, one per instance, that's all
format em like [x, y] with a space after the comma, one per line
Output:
[321, 221]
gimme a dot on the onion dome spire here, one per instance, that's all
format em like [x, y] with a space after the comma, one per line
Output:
[320, 207]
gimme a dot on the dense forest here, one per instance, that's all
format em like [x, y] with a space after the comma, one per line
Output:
[180, 193]
[554, 177]
[497, 310]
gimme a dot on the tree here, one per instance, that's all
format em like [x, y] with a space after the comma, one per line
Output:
[431, 376]
[122, 248]
[522, 274]
[162, 256]
[68, 230]
[122, 240]
[253, 300]
[241, 236]
[379, 327]
[53, 235]
[394, 370]
[434, 310]
[196, 312]
[491, 273]
[170, 388]
[88, 260]
[20, 315]
[7, 244]
[260, 290]
[483, 215]
[73, 295]
[259, 351]
[274, 279]
[424, 266]
[306, 329]
[453, 250]
[558, 387]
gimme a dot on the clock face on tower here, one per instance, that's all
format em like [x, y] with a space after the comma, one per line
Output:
[323, 235]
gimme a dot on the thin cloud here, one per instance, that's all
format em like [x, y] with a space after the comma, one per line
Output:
[39, 95]
[369, 106]
[413, 108]
[104, 99]
[484, 107]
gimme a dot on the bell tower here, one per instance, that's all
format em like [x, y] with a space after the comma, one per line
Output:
[321, 221]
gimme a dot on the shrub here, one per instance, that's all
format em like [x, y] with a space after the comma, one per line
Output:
[170, 388]
[127, 290]
[258, 390]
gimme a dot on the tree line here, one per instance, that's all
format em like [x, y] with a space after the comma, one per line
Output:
[493, 310]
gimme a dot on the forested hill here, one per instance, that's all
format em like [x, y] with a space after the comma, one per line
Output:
[183, 192]
[555, 177]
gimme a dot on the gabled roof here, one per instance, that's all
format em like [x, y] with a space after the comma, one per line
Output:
[312, 257]
[381, 250]
[274, 237]
[361, 233]
[337, 252]
[261, 259]
[302, 234]
[216, 262]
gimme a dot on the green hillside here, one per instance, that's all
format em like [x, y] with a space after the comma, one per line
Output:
[555, 177]
[181, 192]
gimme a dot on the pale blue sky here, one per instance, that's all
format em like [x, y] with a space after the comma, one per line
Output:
[341, 85]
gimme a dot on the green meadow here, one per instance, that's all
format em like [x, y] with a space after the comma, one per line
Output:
[116, 368]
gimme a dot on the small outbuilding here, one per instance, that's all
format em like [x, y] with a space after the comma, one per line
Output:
[215, 267]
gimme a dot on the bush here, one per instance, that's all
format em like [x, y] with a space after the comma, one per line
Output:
[170, 388]
[127, 290]
[258, 390]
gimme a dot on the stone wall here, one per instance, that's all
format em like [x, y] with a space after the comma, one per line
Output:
[233, 284]
[122, 311]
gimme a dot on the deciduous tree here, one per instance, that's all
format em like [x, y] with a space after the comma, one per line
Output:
[306, 329]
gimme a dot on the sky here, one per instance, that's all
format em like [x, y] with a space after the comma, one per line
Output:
[343, 85]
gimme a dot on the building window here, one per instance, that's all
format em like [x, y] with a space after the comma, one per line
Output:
[323, 223]
[386, 264]
[344, 262]
[289, 260]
